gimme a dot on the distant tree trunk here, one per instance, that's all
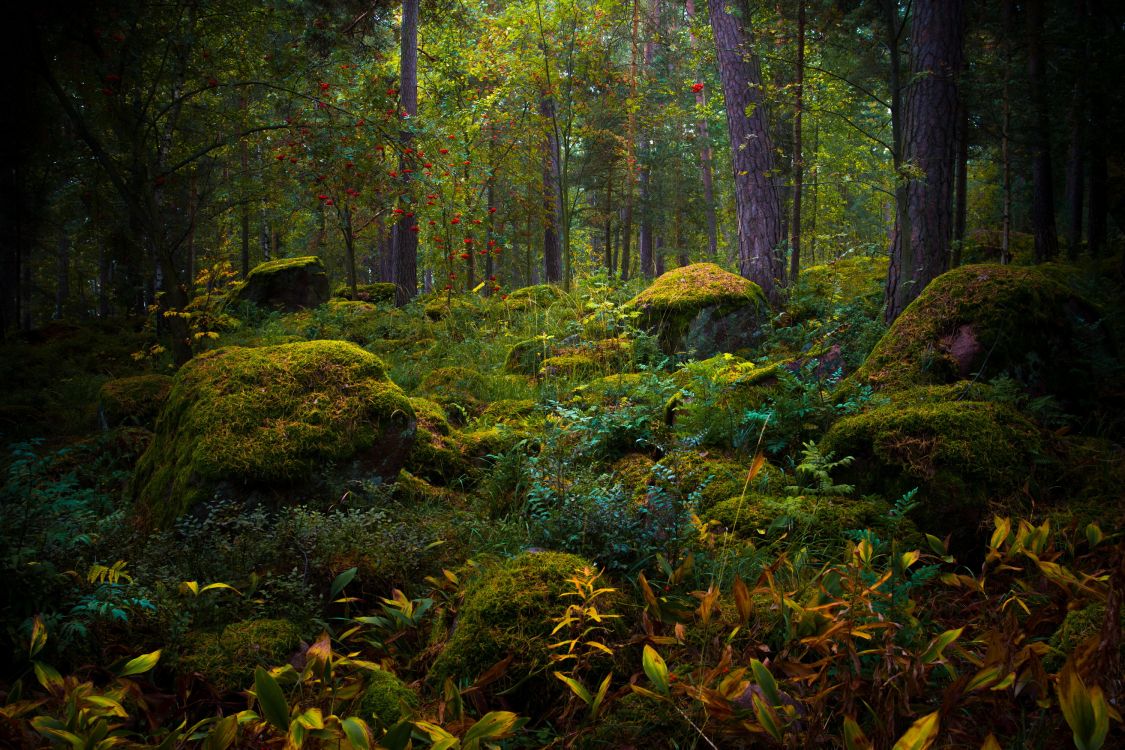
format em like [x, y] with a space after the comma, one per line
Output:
[405, 245]
[920, 251]
[682, 256]
[630, 144]
[815, 193]
[757, 205]
[658, 256]
[26, 281]
[104, 276]
[961, 201]
[1076, 159]
[552, 246]
[62, 276]
[705, 158]
[1005, 138]
[489, 235]
[349, 248]
[1043, 197]
[798, 158]
[244, 203]
[609, 267]
[644, 236]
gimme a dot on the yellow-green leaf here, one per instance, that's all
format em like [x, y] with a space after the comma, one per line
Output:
[223, 734]
[576, 687]
[767, 717]
[990, 743]
[656, 669]
[48, 677]
[38, 637]
[765, 681]
[934, 651]
[854, 738]
[220, 585]
[141, 664]
[357, 732]
[271, 699]
[921, 734]
[492, 726]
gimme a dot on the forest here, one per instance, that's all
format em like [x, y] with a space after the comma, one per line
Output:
[388, 374]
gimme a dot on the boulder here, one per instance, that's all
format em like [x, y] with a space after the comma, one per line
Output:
[287, 284]
[132, 401]
[701, 310]
[268, 418]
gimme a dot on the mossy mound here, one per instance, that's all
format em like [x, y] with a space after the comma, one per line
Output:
[526, 357]
[272, 416]
[960, 454]
[822, 517]
[378, 293]
[701, 309]
[717, 478]
[508, 411]
[386, 699]
[571, 366]
[507, 611]
[287, 284]
[634, 721]
[132, 401]
[227, 659]
[540, 295]
[436, 455]
[460, 390]
[716, 393]
[987, 320]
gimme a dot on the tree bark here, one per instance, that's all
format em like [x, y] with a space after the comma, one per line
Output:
[798, 157]
[961, 202]
[552, 247]
[1043, 196]
[757, 206]
[1076, 158]
[920, 251]
[405, 243]
[705, 156]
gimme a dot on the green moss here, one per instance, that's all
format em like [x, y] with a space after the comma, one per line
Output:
[639, 721]
[268, 416]
[431, 415]
[526, 357]
[508, 411]
[611, 389]
[717, 478]
[570, 366]
[820, 517]
[634, 472]
[479, 445]
[687, 305]
[136, 400]
[379, 293]
[461, 390]
[386, 699]
[1079, 626]
[285, 283]
[227, 659]
[984, 320]
[540, 295]
[506, 612]
[960, 453]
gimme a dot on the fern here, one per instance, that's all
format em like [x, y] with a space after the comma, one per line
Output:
[814, 473]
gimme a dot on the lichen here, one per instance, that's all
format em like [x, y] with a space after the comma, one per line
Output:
[136, 400]
[270, 415]
[227, 659]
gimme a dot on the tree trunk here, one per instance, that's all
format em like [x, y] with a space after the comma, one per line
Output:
[1076, 161]
[961, 202]
[705, 156]
[244, 208]
[798, 158]
[552, 247]
[757, 206]
[920, 251]
[405, 243]
[1006, 139]
[62, 276]
[1043, 196]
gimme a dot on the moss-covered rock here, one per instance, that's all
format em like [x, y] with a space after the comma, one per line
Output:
[821, 517]
[255, 419]
[634, 721]
[436, 455]
[378, 293]
[132, 401]
[507, 611]
[227, 659]
[717, 478]
[570, 366]
[526, 357]
[986, 320]
[540, 295]
[961, 454]
[701, 309]
[386, 699]
[461, 391]
[286, 284]
[508, 411]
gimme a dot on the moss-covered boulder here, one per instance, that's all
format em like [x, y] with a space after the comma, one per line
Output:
[978, 322]
[287, 284]
[537, 296]
[132, 401]
[436, 455]
[462, 391]
[820, 517]
[526, 357]
[378, 293]
[386, 699]
[701, 309]
[507, 611]
[714, 478]
[508, 411]
[961, 454]
[258, 420]
[226, 659]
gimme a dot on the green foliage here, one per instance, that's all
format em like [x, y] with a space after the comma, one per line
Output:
[227, 658]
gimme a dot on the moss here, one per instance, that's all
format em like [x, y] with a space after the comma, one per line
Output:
[611, 389]
[412, 490]
[269, 416]
[639, 721]
[570, 366]
[820, 517]
[961, 454]
[461, 390]
[506, 612]
[716, 394]
[540, 295]
[227, 659]
[508, 411]
[286, 284]
[136, 400]
[984, 320]
[717, 478]
[386, 699]
[379, 293]
[526, 357]
[634, 472]
[689, 304]
[430, 415]
[1079, 626]
[436, 458]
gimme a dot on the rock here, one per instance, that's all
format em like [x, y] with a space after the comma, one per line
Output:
[983, 321]
[132, 401]
[269, 418]
[702, 310]
[287, 284]
[378, 293]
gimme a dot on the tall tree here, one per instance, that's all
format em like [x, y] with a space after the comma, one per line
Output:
[1043, 196]
[757, 206]
[920, 250]
[705, 155]
[798, 158]
[405, 252]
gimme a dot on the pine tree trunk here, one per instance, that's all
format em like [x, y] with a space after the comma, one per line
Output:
[552, 247]
[961, 202]
[1043, 196]
[405, 243]
[920, 251]
[757, 206]
[705, 157]
[798, 158]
